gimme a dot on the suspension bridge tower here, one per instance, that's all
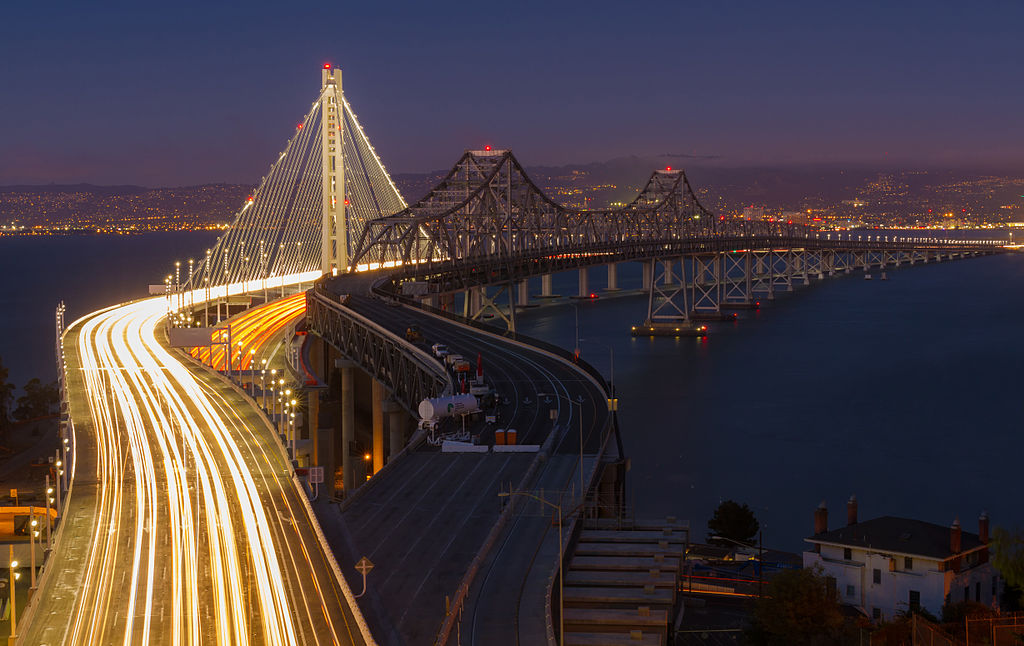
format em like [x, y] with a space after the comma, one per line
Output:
[334, 228]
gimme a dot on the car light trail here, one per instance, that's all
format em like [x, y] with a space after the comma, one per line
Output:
[196, 541]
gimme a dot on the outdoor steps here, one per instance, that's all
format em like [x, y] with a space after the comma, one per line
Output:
[621, 582]
[628, 549]
[604, 620]
[657, 578]
[579, 597]
[625, 563]
[673, 536]
[634, 638]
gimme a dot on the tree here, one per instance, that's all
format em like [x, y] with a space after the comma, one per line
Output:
[6, 397]
[798, 609]
[733, 521]
[39, 400]
[1008, 555]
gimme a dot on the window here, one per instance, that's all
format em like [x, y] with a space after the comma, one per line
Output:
[847, 553]
[876, 614]
[908, 563]
[977, 591]
[915, 599]
[967, 593]
[995, 586]
[850, 591]
[876, 576]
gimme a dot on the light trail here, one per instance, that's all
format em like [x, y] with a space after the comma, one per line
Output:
[196, 540]
[250, 331]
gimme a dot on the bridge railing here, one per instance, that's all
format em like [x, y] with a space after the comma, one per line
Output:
[411, 373]
[386, 289]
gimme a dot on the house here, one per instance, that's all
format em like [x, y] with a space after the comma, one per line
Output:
[889, 565]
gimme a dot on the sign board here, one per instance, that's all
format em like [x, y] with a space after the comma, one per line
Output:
[364, 566]
[415, 289]
[14, 493]
[189, 337]
[316, 475]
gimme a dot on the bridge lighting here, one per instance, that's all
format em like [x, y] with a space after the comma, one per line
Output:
[668, 168]
[327, 66]
[487, 148]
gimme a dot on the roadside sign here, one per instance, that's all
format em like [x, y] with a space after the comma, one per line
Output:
[364, 566]
[316, 475]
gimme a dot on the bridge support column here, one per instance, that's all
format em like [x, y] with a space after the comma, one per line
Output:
[613, 277]
[584, 291]
[378, 395]
[669, 277]
[348, 423]
[647, 275]
[546, 290]
[396, 427]
[524, 293]
[313, 406]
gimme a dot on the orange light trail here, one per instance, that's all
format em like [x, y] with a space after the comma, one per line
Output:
[251, 331]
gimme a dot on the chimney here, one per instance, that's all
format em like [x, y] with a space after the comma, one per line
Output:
[955, 545]
[821, 519]
[983, 536]
[851, 510]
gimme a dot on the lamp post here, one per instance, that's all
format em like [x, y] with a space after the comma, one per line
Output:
[263, 385]
[49, 540]
[580, 404]
[561, 573]
[15, 575]
[252, 373]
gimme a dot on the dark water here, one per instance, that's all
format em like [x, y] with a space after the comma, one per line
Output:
[906, 392]
[86, 272]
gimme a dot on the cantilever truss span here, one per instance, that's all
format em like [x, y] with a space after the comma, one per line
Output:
[487, 207]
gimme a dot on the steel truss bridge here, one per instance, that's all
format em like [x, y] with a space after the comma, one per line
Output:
[328, 206]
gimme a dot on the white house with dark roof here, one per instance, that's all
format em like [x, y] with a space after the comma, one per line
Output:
[888, 565]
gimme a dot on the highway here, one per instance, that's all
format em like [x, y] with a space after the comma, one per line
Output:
[185, 525]
[426, 516]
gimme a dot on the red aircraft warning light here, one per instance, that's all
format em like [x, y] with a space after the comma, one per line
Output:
[327, 66]
[487, 148]
[668, 168]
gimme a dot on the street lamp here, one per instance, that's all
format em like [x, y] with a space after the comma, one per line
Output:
[580, 404]
[561, 573]
[15, 575]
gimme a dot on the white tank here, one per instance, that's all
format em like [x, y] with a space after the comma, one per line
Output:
[440, 407]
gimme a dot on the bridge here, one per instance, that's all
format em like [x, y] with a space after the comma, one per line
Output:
[197, 512]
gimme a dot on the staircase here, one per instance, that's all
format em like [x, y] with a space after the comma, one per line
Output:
[621, 583]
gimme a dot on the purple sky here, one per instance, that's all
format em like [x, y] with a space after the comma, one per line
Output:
[180, 93]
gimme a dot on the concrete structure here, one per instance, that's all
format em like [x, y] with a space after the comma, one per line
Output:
[889, 565]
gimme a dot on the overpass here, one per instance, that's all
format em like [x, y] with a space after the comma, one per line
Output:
[186, 522]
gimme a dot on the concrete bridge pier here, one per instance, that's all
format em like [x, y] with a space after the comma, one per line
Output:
[546, 290]
[523, 299]
[613, 277]
[348, 422]
[667, 268]
[396, 427]
[647, 276]
[378, 393]
[584, 289]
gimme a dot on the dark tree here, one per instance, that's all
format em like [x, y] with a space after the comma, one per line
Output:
[733, 521]
[798, 609]
[6, 397]
[39, 400]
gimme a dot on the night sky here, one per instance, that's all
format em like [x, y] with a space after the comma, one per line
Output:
[173, 93]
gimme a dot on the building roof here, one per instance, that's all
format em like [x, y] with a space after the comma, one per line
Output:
[901, 535]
